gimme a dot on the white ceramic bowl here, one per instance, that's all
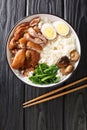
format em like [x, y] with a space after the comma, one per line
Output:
[52, 18]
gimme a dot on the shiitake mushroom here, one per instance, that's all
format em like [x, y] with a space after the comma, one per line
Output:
[74, 55]
[63, 62]
[65, 65]
[67, 70]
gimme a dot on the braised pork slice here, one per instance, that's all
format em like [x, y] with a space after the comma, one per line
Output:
[12, 44]
[18, 61]
[33, 59]
[34, 46]
[26, 24]
[32, 32]
[35, 21]
[35, 40]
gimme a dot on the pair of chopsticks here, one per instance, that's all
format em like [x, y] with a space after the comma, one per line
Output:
[52, 95]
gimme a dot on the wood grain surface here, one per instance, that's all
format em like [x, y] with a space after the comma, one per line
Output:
[75, 104]
[11, 89]
[65, 113]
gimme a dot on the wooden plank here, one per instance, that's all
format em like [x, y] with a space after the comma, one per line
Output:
[46, 116]
[11, 89]
[44, 6]
[75, 105]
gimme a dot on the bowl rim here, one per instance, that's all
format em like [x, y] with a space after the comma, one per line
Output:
[45, 85]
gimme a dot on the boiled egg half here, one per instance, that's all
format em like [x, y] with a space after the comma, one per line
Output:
[48, 31]
[61, 28]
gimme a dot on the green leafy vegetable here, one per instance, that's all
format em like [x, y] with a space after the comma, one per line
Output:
[44, 74]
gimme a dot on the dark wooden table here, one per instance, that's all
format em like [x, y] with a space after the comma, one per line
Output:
[65, 113]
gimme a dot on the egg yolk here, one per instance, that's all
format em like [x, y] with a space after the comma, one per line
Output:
[49, 32]
[62, 29]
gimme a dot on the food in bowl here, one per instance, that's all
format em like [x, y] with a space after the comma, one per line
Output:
[43, 50]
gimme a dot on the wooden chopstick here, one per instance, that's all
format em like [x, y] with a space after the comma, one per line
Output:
[55, 96]
[54, 91]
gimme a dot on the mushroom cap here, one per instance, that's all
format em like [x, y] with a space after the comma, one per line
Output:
[63, 62]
